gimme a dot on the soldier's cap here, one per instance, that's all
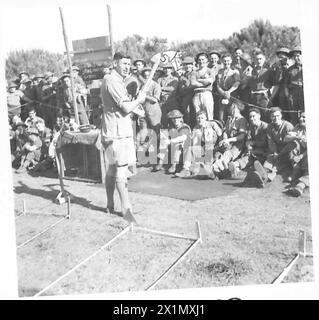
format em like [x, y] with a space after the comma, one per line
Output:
[174, 114]
[283, 50]
[188, 60]
[167, 65]
[274, 109]
[12, 84]
[24, 72]
[33, 131]
[201, 54]
[254, 110]
[21, 124]
[64, 75]
[75, 68]
[215, 52]
[48, 74]
[25, 80]
[120, 55]
[38, 76]
[137, 60]
[296, 49]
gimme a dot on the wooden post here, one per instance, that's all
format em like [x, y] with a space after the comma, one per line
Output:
[70, 68]
[110, 30]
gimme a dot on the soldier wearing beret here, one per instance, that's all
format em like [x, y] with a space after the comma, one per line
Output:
[278, 73]
[293, 84]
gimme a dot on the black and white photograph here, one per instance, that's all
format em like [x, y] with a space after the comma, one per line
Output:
[159, 147]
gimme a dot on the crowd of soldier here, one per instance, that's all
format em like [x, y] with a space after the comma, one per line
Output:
[213, 112]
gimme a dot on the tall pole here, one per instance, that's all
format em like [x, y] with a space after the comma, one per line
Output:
[75, 108]
[110, 30]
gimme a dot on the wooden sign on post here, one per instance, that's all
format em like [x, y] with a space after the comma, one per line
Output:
[92, 55]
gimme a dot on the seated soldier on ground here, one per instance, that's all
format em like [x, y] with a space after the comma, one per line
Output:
[256, 144]
[45, 135]
[233, 142]
[19, 138]
[204, 138]
[298, 158]
[177, 137]
[278, 149]
[33, 118]
[31, 151]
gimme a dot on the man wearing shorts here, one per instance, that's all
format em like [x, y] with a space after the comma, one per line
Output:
[117, 131]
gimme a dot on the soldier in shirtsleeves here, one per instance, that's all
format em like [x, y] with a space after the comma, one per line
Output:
[202, 80]
[169, 85]
[65, 101]
[227, 80]
[117, 131]
[205, 136]
[177, 139]
[256, 144]
[215, 65]
[260, 84]
[294, 86]
[233, 142]
[14, 98]
[278, 73]
[186, 92]
[278, 149]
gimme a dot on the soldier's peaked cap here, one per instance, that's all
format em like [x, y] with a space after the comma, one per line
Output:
[174, 114]
[284, 50]
[215, 52]
[296, 49]
[188, 60]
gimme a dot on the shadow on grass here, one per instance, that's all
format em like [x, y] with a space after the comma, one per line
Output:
[52, 194]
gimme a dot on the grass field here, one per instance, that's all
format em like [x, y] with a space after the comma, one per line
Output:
[249, 236]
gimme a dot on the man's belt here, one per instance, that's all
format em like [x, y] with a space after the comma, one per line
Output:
[295, 85]
[202, 90]
[265, 91]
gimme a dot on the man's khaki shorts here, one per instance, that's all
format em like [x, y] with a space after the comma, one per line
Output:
[119, 152]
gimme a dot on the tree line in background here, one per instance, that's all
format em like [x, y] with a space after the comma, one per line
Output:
[259, 34]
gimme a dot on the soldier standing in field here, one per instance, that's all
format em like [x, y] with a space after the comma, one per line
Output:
[293, 84]
[117, 131]
[227, 81]
[169, 85]
[278, 73]
[186, 92]
[260, 84]
[202, 81]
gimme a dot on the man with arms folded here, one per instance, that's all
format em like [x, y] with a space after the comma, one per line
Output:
[202, 80]
[117, 131]
[228, 80]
